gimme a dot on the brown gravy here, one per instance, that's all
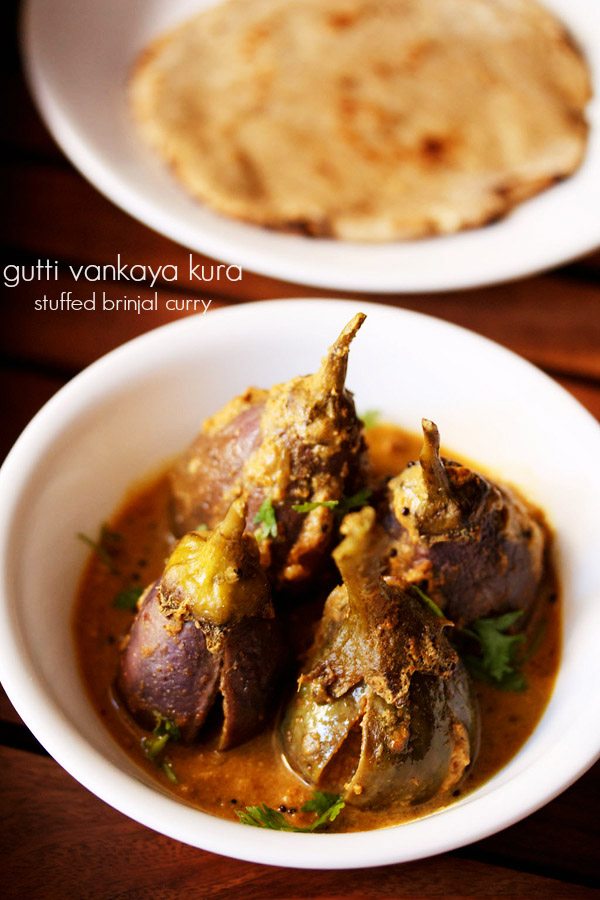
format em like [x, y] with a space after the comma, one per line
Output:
[254, 773]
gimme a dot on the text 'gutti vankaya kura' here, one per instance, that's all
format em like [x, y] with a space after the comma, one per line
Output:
[51, 270]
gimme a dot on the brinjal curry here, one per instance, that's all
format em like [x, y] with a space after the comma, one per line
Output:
[313, 621]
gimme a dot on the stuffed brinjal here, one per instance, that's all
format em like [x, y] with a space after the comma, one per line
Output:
[299, 443]
[205, 630]
[474, 546]
[383, 711]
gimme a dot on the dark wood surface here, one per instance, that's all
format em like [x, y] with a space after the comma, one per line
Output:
[56, 839]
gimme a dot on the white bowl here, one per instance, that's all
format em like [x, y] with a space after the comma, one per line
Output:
[142, 403]
[79, 56]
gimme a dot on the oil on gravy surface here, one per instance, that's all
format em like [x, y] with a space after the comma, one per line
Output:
[254, 773]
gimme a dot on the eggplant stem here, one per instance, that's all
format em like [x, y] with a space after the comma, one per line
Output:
[331, 376]
[233, 525]
[356, 557]
[439, 492]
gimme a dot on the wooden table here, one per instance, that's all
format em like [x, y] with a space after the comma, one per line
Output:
[58, 840]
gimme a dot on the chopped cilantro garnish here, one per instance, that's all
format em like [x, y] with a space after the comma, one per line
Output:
[265, 519]
[428, 601]
[356, 501]
[308, 507]
[346, 504]
[370, 418]
[105, 547]
[264, 817]
[109, 538]
[167, 768]
[326, 806]
[165, 730]
[128, 597]
[498, 662]
[96, 547]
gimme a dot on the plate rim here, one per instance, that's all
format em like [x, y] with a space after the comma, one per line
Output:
[277, 262]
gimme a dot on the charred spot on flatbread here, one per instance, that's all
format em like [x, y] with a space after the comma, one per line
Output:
[368, 120]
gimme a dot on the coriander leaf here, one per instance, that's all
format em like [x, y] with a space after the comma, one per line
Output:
[167, 768]
[265, 519]
[505, 621]
[498, 661]
[98, 550]
[370, 418]
[341, 506]
[498, 648]
[164, 725]
[356, 501]
[164, 731]
[153, 746]
[308, 507]
[105, 547]
[428, 601]
[264, 816]
[110, 539]
[327, 806]
[320, 802]
[513, 681]
[128, 597]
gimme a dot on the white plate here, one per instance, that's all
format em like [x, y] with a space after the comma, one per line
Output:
[78, 58]
[142, 403]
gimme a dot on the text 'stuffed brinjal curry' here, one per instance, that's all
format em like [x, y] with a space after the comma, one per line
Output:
[363, 697]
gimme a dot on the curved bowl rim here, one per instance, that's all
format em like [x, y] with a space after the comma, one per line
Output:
[417, 839]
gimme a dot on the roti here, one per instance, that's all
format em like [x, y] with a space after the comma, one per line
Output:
[366, 120]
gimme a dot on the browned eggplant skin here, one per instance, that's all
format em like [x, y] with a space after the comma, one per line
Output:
[299, 442]
[206, 629]
[474, 546]
[381, 664]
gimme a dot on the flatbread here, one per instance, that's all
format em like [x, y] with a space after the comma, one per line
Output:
[367, 120]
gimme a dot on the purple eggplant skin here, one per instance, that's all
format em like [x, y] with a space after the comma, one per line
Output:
[206, 630]
[474, 546]
[202, 476]
[300, 442]
[167, 671]
[253, 663]
[170, 670]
